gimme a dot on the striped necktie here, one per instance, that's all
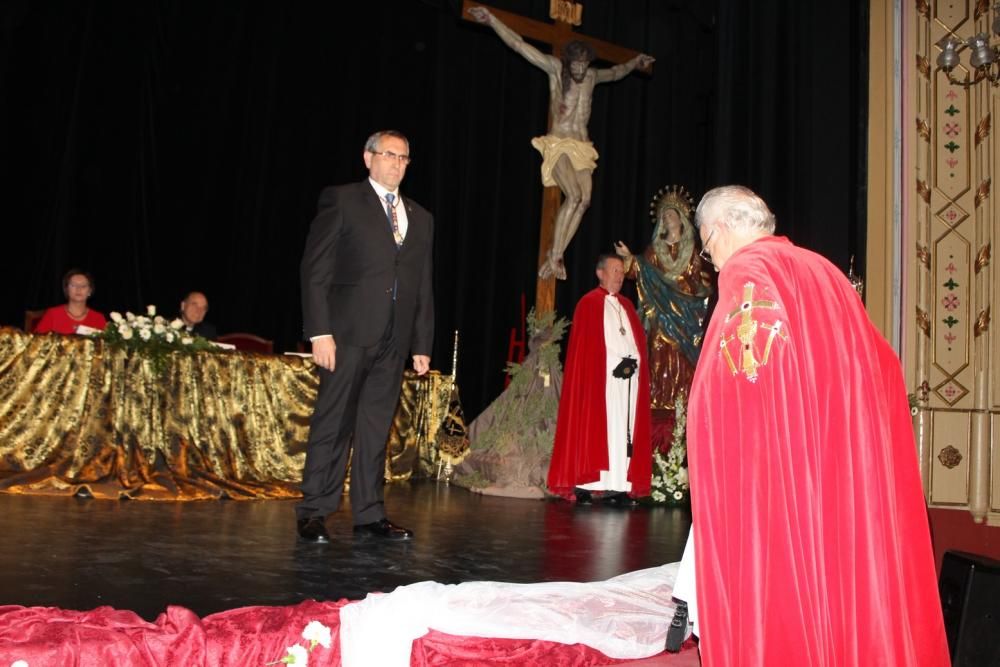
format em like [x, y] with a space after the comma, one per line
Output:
[390, 215]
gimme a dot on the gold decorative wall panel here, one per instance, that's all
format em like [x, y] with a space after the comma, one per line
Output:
[949, 483]
[948, 223]
[995, 465]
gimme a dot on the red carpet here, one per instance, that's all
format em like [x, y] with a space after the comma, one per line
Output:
[52, 637]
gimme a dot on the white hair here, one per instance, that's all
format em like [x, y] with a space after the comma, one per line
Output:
[735, 207]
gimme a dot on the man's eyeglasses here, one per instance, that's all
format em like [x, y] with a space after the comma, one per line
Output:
[389, 155]
[705, 254]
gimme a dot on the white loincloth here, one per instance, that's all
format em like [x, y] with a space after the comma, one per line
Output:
[582, 155]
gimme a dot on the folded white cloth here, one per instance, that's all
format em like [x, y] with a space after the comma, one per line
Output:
[625, 617]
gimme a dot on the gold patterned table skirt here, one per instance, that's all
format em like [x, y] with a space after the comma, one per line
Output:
[79, 416]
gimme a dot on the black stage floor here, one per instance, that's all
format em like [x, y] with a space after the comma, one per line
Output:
[210, 556]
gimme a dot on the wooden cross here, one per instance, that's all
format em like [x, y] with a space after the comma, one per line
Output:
[557, 35]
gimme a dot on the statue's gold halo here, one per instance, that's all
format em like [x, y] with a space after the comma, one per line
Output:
[674, 196]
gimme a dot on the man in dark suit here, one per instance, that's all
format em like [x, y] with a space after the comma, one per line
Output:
[368, 303]
[194, 307]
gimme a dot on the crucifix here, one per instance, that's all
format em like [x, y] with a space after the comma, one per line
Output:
[568, 157]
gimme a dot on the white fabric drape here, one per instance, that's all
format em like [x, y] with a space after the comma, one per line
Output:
[625, 617]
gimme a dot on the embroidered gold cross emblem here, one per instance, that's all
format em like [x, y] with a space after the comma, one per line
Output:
[746, 333]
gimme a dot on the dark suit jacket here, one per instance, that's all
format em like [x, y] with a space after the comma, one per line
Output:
[206, 330]
[351, 263]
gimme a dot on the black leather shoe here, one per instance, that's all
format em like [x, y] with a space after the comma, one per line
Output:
[619, 499]
[313, 529]
[385, 529]
[583, 497]
[678, 628]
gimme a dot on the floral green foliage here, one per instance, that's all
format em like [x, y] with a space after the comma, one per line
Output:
[151, 336]
[522, 419]
[670, 474]
[316, 634]
[512, 440]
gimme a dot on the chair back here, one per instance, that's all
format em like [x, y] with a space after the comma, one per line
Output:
[247, 342]
[31, 320]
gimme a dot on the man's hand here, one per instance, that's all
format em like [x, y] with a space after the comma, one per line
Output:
[622, 250]
[324, 351]
[421, 362]
[480, 14]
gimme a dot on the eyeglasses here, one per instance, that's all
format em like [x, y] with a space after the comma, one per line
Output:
[705, 254]
[389, 155]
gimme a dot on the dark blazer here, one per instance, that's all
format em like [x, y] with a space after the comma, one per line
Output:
[205, 330]
[351, 264]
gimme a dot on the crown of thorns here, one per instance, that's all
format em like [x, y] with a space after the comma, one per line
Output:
[671, 195]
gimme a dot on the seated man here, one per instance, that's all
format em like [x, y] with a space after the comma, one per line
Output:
[604, 407]
[193, 310]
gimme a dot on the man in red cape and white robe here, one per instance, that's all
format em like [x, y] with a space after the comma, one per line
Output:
[598, 411]
[812, 544]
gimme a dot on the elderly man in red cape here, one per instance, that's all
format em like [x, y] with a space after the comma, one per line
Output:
[812, 545]
[600, 407]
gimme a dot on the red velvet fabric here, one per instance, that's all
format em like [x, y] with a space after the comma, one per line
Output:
[437, 649]
[51, 637]
[580, 451]
[662, 432]
[811, 535]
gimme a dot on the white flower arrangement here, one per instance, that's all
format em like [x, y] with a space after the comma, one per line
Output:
[316, 634]
[670, 475]
[151, 335]
[297, 654]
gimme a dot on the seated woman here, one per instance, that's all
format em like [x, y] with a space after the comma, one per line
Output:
[64, 319]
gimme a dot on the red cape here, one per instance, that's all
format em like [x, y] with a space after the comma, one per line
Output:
[580, 452]
[812, 541]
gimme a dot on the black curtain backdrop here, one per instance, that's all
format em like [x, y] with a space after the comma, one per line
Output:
[170, 146]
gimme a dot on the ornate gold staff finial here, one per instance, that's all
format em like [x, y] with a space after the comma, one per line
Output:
[674, 196]
[857, 282]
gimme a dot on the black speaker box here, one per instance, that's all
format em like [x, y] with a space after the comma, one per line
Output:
[970, 600]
